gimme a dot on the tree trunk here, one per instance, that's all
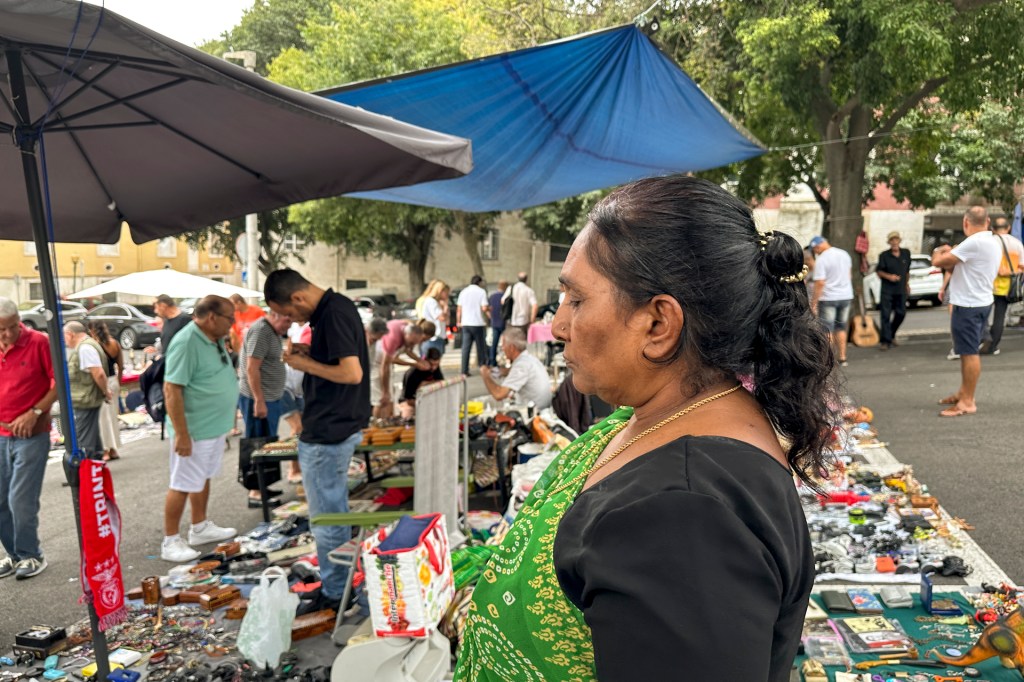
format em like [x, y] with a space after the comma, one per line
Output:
[420, 238]
[471, 240]
[846, 160]
[416, 282]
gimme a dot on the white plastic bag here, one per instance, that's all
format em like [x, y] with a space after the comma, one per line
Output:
[266, 630]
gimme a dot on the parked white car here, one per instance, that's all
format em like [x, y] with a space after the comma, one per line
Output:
[925, 282]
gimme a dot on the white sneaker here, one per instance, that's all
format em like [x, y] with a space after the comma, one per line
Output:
[952, 355]
[209, 532]
[178, 551]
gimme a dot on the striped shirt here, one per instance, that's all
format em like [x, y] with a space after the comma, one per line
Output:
[261, 341]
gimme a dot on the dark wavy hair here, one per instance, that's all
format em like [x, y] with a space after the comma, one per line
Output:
[98, 330]
[692, 240]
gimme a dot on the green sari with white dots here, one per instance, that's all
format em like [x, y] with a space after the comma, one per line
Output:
[521, 627]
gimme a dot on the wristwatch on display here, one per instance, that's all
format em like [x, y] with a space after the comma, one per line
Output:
[37, 412]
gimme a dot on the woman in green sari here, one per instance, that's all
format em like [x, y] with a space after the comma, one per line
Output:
[668, 542]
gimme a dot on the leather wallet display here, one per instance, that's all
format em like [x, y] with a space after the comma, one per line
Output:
[835, 600]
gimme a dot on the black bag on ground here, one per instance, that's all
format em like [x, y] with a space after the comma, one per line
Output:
[507, 305]
[248, 475]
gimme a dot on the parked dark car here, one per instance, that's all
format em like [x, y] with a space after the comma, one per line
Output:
[34, 317]
[381, 305]
[134, 326]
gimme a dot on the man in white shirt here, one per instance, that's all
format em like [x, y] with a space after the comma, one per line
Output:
[524, 304]
[87, 386]
[471, 316]
[975, 264]
[525, 381]
[833, 291]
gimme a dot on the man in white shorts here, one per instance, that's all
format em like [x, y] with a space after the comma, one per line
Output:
[200, 392]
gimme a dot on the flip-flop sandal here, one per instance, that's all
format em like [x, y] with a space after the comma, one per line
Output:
[955, 412]
[951, 400]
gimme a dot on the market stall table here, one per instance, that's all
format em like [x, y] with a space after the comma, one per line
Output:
[927, 635]
[275, 454]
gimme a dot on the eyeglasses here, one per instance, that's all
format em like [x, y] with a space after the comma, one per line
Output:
[223, 354]
[230, 318]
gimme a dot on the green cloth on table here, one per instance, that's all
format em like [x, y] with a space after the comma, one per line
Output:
[991, 669]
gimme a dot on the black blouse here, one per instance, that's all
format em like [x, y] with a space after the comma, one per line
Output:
[692, 562]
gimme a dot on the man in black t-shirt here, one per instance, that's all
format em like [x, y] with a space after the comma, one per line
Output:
[336, 388]
[894, 272]
[174, 320]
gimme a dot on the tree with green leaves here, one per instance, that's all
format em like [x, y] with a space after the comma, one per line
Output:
[375, 228]
[943, 157]
[839, 77]
[268, 28]
[273, 228]
[350, 45]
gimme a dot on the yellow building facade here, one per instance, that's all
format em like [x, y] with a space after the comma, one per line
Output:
[79, 266]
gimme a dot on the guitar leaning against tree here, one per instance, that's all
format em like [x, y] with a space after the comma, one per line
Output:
[863, 332]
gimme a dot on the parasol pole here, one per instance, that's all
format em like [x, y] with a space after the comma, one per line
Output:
[27, 137]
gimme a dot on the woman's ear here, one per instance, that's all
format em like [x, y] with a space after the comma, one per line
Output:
[664, 327]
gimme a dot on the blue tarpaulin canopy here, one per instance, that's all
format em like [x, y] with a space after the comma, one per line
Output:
[558, 120]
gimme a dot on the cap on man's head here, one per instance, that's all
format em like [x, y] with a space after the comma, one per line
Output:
[893, 235]
[817, 240]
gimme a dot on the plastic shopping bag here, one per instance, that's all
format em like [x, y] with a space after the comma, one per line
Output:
[266, 630]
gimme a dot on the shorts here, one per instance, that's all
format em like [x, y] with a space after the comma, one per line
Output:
[968, 328]
[291, 403]
[190, 474]
[835, 314]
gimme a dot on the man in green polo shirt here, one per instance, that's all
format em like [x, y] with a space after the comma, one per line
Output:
[200, 392]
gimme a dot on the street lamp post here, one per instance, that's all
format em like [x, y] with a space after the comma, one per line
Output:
[252, 241]
[74, 272]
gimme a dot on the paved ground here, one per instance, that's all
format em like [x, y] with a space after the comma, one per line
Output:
[140, 480]
[971, 463]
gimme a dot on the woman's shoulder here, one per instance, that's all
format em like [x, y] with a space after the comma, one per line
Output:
[717, 467]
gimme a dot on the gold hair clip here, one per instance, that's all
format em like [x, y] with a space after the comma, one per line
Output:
[793, 279]
[765, 237]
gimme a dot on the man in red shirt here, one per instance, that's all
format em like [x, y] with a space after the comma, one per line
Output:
[27, 391]
[245, 315]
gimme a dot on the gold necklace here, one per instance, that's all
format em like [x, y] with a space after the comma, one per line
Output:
[618, 451]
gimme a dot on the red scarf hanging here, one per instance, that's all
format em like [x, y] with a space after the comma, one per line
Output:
[101, 534]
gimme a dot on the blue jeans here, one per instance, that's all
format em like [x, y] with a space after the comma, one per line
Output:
[835, 315]
[325, 478]
[22, 467]
[474, 336]
[438, 343]
[253, 426]
[496, 333]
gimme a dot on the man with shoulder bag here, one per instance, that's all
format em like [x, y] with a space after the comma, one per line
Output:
[1008, 286]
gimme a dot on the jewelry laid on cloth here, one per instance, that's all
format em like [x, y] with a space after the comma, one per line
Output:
[618, 451]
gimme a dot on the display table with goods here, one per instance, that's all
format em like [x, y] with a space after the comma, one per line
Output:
[375, 460]
[902, 592]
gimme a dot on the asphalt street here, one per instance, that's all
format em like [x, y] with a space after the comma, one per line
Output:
[140, 484]
[971, 463]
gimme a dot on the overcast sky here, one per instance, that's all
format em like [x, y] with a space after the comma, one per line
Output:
[187, 21]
